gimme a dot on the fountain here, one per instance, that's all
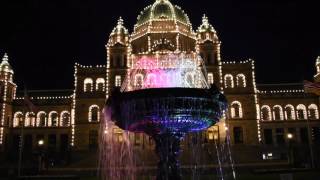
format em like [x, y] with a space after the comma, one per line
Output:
[166, 96]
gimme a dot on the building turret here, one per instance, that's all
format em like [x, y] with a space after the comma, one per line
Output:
[208, 42]
[119, 34]
[7, 94]
[118, 46]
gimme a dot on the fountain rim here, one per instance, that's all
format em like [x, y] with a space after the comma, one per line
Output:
[165, 92]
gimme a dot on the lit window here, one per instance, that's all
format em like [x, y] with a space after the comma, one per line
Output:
[30, 119]
[236, 110]
[151, 80]
[18, 119]
[118, 81]
[100, 84]
[138, 81]
[94, 113]
[241, 80]
[228, 81]
[65, 119]
[313, 111]
[210, 78]
[289, 112]
[301, 112]
[41, 119]
[53, 119]
[266, 113]
[88, 85]
[277, 112]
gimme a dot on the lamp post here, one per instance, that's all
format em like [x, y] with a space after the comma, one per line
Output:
[290, 153]
[40, 146]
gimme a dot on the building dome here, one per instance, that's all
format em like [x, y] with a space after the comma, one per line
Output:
[162, 10]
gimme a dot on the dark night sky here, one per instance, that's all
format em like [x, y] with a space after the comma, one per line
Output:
[44, 38]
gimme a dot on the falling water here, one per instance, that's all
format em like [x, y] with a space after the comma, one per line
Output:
[117, 160]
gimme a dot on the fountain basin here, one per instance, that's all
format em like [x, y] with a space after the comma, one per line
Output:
[166, 110]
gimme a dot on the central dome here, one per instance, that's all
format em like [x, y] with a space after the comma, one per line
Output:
[162, 10]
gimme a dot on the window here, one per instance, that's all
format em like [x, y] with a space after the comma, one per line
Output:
[238, 135]
[313, 111]
[151, 80]
[18, 119]
[117, 81]
[293, 131]
[53, 119]
[304, 135]
[88, 85]
[316, 135]
[210, 78]
[52, 142]
[228, 81]
[301, 112]
[277, 112]
[30, 119]
[41, 119]
[280, 136]
[100, 84]
[268, 139]
[93, 139]
[289, 112]
[138, 81]
[266, 113]
[65, 119]
[236, 109]
[241, 80]
[94, 113]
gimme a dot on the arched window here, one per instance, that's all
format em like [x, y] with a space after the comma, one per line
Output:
[241, 80]
[313, 111]
[53, 119]
[289, 112]
[210, 78]
[18, 119]
[88, 85]
[151, 80]
[301, 112]
[41, 119]
[30, 119]
[94, 113]
[117, 81]
[266, 113]
[236, 109]
[277, 112]
[65, 119]
[228, 81]
[138, 81]
[100, 84]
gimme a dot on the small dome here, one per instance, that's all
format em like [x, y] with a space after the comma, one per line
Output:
[162, 9]
[206, 26]
[119, 29]
[5, 66]
[119, 34]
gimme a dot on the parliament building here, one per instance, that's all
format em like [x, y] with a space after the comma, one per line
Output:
[262, 120]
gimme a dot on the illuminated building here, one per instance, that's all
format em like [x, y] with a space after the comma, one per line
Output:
[259, 116]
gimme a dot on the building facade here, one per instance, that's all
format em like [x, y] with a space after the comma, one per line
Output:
[259, 118]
